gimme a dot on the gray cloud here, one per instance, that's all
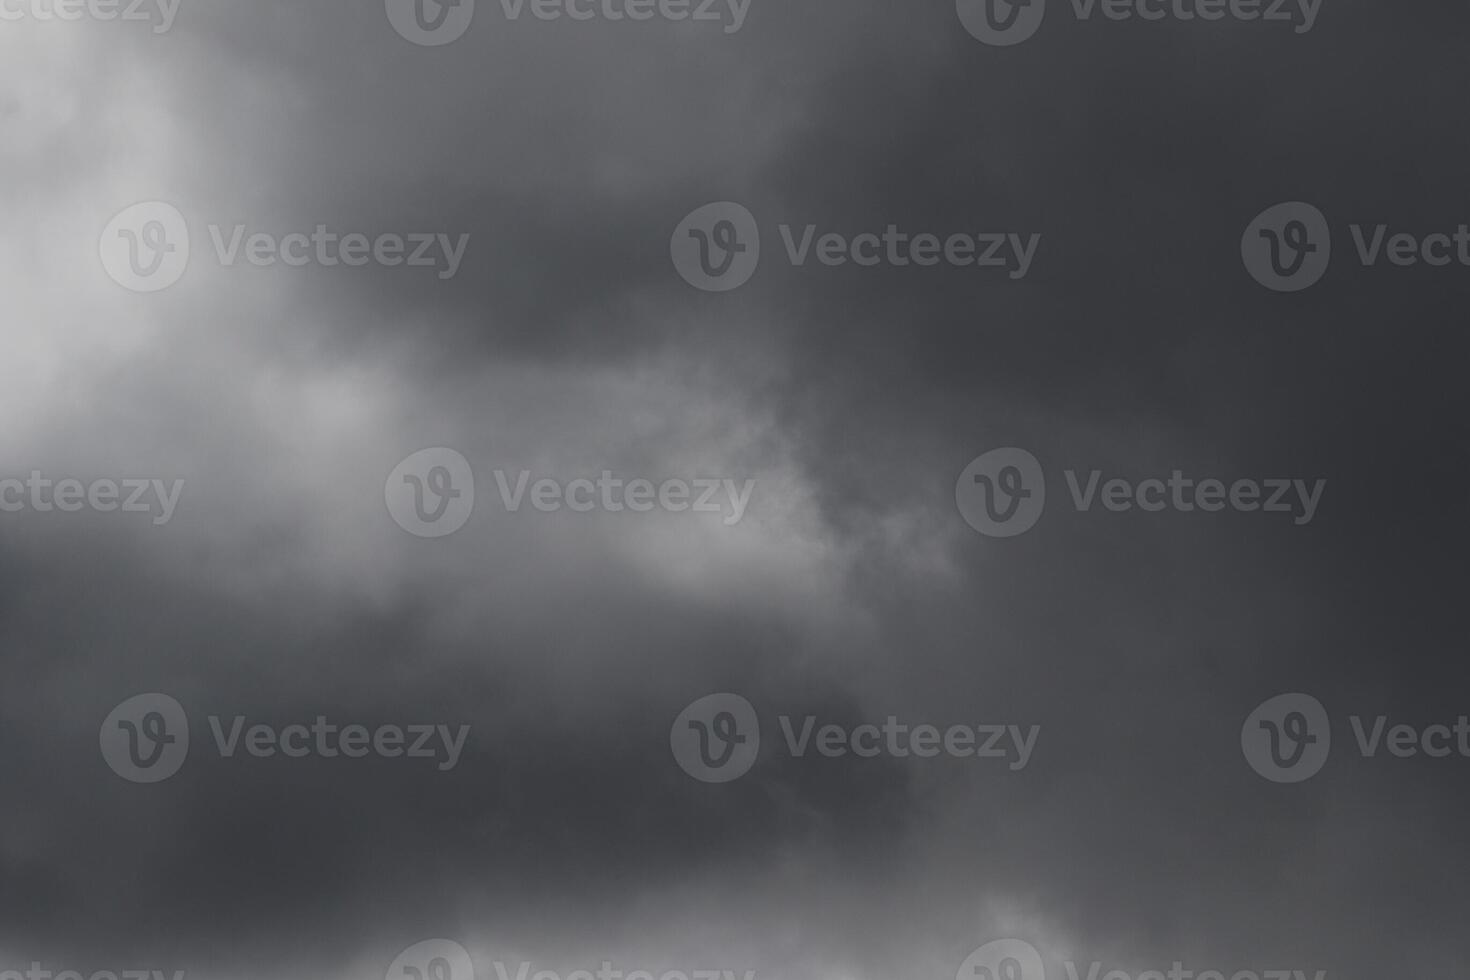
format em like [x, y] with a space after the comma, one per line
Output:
[567, 345]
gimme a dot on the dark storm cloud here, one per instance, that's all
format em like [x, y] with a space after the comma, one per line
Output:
[533, 805]
[1138, 643]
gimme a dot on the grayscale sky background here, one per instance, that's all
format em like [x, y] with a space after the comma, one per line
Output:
[567, 345]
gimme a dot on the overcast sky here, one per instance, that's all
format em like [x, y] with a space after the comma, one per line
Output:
[567, 343]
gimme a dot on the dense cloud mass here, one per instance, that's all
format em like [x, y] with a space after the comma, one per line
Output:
[964, 246]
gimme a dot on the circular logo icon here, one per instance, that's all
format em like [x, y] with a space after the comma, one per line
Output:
[430, 23]
[431, 494]
[1001, 22]
[1002, 493]
[717, 247]
[146, 738]
[1003, 959]
[716, 738]
[432, 959]
[1288, 738]
[1287, 247]
[145, 247]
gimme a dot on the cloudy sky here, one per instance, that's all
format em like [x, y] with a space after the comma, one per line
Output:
[852, 589]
